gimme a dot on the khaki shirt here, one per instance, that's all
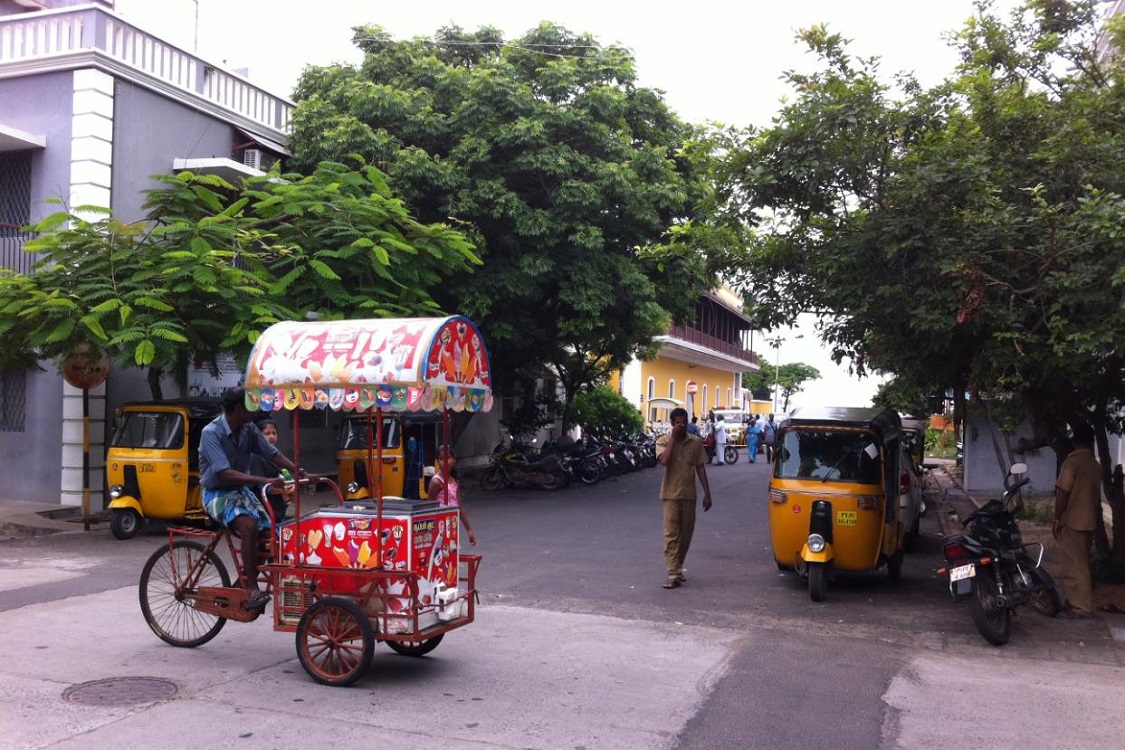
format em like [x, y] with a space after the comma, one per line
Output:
[679, 474]
[1081, 476]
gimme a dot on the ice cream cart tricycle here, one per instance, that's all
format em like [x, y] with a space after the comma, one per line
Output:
[345, 576]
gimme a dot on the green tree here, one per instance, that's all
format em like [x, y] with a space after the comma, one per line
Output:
[969, 236]
[604, 411]
[213, 265]
[790, 379]
[562, 170]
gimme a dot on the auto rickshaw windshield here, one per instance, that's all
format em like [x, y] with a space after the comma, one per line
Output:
[828, 455]
[150, 429]
[354, 434]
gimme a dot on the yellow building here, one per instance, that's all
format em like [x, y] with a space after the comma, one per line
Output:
[700, 365]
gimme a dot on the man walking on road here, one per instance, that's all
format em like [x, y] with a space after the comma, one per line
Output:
[683, 457]
[1077, 503]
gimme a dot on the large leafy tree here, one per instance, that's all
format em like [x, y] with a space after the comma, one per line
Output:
[212, 265]
[969, 236]
[562, 170]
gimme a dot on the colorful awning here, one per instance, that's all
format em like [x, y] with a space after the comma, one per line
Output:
[407, 364]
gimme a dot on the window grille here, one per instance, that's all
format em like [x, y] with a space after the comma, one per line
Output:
[13, 398]
[15, 209]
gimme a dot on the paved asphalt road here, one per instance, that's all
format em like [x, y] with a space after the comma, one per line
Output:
[576, 646]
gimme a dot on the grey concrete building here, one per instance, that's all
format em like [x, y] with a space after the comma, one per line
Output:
[90, 107]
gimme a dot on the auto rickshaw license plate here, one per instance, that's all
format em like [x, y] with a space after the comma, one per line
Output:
[847, 517]
[961, 572]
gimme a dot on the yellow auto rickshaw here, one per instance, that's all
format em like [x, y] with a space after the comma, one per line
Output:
[152, 463]
[409, 443]
[914, 436]
[834, 494]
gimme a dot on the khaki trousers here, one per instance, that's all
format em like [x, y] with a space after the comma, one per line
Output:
[1074, 578]
[679, 525]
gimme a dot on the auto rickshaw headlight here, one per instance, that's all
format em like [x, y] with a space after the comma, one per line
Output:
[816, 543]
[116, 491]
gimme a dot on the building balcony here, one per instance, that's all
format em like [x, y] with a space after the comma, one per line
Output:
[89, 36]
[691, 339]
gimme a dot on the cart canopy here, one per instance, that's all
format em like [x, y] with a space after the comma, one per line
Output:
[405, 364]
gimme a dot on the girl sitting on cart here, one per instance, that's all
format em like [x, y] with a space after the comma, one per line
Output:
[447, 490]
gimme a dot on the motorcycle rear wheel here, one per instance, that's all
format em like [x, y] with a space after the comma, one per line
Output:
[492, 480]
[1044, 594]
[993, 622]
[551, 481]
[589, 472]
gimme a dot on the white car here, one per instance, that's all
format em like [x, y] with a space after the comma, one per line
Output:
[911, 504]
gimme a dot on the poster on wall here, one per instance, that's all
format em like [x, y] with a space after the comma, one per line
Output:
[201, 382]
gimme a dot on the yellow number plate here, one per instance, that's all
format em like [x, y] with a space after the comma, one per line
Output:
[847, 517]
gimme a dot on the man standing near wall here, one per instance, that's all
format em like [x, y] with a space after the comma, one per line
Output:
[1077, 503]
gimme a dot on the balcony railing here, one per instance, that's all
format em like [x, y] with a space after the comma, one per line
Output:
[693, 336]
[12, 255]
[58, 33]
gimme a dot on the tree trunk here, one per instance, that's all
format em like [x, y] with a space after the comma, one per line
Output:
[154, 388]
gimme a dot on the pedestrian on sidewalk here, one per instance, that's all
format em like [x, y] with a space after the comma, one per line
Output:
[684, 460]
[1077, 503]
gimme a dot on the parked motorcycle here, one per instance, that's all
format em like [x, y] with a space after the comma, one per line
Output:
[990, 565]
[512, 466]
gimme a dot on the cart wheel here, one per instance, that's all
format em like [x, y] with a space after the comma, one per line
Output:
[818, 582]
[164, 579]
[335, 642]
[416, 648]
[730, 455]
[124, 523]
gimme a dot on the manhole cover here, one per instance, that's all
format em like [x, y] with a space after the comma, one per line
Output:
[121, 691]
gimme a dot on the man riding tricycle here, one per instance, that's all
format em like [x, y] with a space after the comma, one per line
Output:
[342, 578]
[834, 494]
[151, 464]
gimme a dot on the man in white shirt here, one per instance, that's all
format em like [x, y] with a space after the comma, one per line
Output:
[720, 439]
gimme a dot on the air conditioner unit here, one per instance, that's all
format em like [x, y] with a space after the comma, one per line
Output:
[252, 157]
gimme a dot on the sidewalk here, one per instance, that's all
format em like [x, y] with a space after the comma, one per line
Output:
[20, 518]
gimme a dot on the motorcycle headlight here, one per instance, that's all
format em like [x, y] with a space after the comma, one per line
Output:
[116, 491]
[353, 486]
[816, 543]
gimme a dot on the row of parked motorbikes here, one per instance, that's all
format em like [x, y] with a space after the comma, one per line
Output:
[558, 463]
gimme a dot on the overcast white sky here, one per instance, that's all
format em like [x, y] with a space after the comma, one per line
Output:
[715, 60]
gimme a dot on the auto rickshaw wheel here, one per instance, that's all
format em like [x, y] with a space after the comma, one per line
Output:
[164, 581]
[416, 648]
[124, 522]
[818, 581]
[335, 642]
[894, 565]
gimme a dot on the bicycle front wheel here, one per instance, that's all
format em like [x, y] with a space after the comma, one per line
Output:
[170, 573]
